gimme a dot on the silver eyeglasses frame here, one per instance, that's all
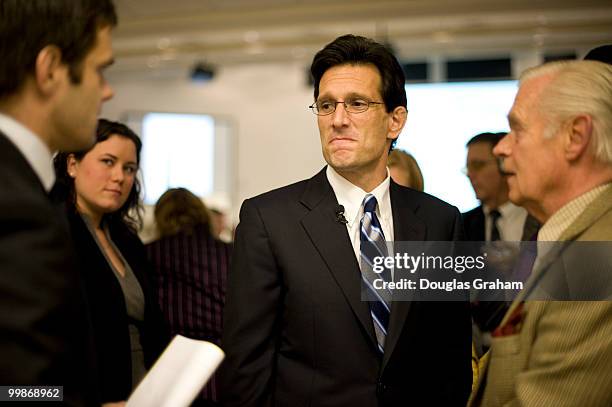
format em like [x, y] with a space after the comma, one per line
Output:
[350, 105]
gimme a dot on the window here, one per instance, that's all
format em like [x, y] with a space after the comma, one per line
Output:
[184, 150]
[442, 117]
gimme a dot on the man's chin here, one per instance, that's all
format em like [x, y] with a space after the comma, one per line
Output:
[76, 144]
[81, 138]
[340, 162]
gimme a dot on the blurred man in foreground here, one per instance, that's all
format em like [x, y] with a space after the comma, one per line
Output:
[51, 89]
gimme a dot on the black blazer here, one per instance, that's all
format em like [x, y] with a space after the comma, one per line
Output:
[296, 332]
[44, 331]
[474, 224]
[108, 311]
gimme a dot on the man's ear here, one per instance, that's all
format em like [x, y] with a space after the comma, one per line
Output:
[578, 137]
[49, 70]
[397, 120]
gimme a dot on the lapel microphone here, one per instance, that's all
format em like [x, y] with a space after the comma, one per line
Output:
[340, 214]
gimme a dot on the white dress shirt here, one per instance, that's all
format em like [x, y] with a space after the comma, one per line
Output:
[351, 197]
[35, 151]
[510, 224]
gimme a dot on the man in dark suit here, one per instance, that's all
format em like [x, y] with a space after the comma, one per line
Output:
[496, 218]
[296, 330]
[51, 90]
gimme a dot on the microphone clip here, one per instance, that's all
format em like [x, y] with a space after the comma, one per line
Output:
[340, 215]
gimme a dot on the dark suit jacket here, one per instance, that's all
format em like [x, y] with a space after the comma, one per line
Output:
[108, 311]
[296, 331]
[43, 321]
[474, 224]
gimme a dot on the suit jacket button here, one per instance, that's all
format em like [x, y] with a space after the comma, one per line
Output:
[381, 389]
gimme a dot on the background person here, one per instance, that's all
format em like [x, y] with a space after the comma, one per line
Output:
[190, 272]
[220, 227]
[102, 195]
[496, 218]
[405, 170]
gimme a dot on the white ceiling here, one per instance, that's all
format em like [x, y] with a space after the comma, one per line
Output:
[170, 34]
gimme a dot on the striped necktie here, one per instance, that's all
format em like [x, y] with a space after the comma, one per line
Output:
[373, 245]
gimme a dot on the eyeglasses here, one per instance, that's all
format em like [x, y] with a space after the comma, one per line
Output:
[476, 165]
[326, 107]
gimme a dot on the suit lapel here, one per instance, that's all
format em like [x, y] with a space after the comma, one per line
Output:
[478, 227]
[332, 241]
[601, 205]
[406, 227]
[598, 208]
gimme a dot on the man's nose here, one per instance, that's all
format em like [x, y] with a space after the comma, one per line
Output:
[340, 115]
[107, 92]
[502, 148]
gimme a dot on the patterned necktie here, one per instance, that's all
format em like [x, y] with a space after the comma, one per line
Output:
[373, 245]
[495, 215]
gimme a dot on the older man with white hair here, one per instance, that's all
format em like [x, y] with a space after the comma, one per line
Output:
[558, 157]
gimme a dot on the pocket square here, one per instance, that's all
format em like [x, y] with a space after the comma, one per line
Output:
[513, 325]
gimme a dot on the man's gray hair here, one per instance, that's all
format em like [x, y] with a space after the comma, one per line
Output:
[578, 87]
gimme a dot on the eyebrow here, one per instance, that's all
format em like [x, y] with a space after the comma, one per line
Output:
[514, 121]
[114, 157]
[350, 95]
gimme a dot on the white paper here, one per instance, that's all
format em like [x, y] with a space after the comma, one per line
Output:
[178, 375]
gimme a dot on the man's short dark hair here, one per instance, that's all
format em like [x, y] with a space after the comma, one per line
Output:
[30, 25]
[491, 138]
[602, 53]
[355, 50]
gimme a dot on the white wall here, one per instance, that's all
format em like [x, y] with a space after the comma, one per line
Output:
[276, 141]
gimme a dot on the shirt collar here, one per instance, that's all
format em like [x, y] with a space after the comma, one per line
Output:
[351, 196]
[506, 209]
[566, 215]
[35, 151]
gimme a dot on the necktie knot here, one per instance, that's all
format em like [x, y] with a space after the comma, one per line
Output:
[369, 203]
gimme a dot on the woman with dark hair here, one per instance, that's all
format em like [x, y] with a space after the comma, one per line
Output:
[190, 272]
[102, 196]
